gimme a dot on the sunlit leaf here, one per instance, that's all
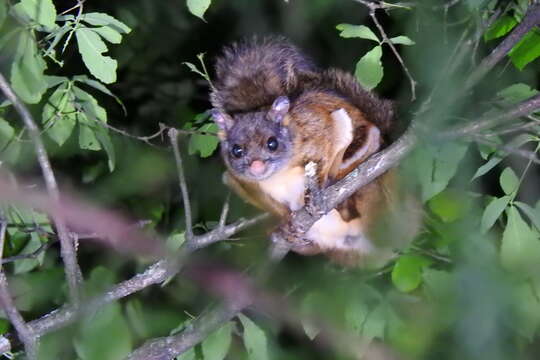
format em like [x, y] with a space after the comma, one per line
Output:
[41, 11]
[369, 70]
[91, 48]
[526, 50]
[359, 31]
[198, 7]
[401, 40]
[101, 19]
[407, 272]
[501, 27]
[310, 304]
[449, 205]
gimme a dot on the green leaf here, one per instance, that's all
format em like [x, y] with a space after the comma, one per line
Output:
[91, 48]
[106, 143]
[516, 93]
[356, 314]
[27, 70]
[437, 166]
[59, 115]
[359, 31]
[87, 135]
[532, 214]
[175, 241]
[520, 247]
[369, 70]
[407, 272]
[402, 40]
[509, 181]
[309, 307]
[493, 211]
[526, 50]
[109, 34]
[500, 27]
[9, 146]
[3, 12]
[439, 285]
[254, 339]
[188, 355]
[526, 310]
[25, 265]
[204, 144]
[217, 344]
[104, 335]
[198, 7]
[99, 86]
[53, 81]
[449, 205]
[490, 164]
[101, 19]
[41, 11]
[375, 324]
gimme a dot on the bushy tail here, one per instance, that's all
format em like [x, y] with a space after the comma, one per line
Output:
[252, 73]
[378, 111]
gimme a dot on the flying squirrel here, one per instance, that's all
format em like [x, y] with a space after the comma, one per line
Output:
[276, 112]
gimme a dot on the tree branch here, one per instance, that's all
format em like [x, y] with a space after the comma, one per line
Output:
[24, 333]
[154, 274]
[173, 136]
[68, 253]
[531, 19]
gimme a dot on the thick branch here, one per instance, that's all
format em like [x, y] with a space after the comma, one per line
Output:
[531, 19]
[73, 272]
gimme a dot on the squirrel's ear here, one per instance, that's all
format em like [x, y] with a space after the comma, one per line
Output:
[279, 109]
[222, 120]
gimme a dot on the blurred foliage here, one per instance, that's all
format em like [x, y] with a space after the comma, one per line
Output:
[100, 77]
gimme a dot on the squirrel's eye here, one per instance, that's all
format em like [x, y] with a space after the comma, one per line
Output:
[272, 143]
[237, 151]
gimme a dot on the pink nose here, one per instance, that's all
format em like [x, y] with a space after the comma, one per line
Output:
[257, 167]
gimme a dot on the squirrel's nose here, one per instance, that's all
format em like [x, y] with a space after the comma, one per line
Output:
[257, 167]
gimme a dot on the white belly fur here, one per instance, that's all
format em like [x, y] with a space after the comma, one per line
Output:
[330, 231]
[286, 187]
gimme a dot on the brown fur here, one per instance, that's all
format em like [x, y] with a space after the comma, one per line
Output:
[249, 77]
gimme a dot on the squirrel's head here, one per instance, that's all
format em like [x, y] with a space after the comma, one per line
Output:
[255, 145]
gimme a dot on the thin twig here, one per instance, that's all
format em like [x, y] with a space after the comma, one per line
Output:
[531, 19]
[72, 270]
[372, 8]
[224, 211]
[173, 136]
[25, 334]
[529, 155]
